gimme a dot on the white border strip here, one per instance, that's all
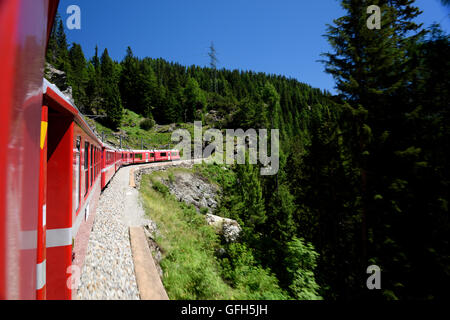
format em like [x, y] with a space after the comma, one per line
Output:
[59, 237]
[107, 168]
[41, 272]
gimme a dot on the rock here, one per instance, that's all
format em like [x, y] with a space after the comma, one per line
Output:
[194, 189]
[231, 231]
[59, 78]
[151, 230]
[228, 228]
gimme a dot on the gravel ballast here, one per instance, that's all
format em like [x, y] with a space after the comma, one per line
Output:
[108, 271]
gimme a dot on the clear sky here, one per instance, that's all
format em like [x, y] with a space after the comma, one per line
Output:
[274, 36]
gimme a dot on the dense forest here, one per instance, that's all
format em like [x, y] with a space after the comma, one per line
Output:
[364, 175]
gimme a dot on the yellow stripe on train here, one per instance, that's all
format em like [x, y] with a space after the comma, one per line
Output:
[44, 126]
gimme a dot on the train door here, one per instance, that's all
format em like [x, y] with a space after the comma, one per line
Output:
[60, 166]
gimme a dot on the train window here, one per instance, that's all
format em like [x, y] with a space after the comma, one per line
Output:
[163, 154]
[152, 155]
[86, 167]
[92, 164]
[77, 173]
[138, 156]
[95, 162]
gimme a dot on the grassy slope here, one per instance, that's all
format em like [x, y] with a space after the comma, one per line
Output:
[191, 269]
[154, 138]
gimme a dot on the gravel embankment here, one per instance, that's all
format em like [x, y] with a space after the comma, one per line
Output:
[108, 271]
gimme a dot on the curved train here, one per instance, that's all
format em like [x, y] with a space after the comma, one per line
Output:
[52, 165]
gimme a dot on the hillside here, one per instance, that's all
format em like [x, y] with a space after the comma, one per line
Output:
[136, 137]
[363, 177]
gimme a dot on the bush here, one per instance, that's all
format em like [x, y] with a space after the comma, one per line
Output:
[171, 177]
[147, 124]
[160, 187]
[252, 281]
[301, 263]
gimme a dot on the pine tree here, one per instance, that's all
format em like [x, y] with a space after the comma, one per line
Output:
[129, 81]
[195, 100]
[112, 102]
[62, 52]
[96, 61]
[92, 89]
[52, 46]
[374, 70]
[145, 89]
[251, 209]
[78, 77]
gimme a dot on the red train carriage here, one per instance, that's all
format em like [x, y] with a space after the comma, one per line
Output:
[166, 155]
[174, 155]
[52, 166]
[119, 159]
[141, 156]
[24, 29]
[128, 157]
[161, 155]
[72, 187]
[109, 164]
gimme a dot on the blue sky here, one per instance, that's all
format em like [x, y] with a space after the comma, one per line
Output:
[277, 36]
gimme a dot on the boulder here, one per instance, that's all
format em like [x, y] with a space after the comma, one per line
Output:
[228, 228]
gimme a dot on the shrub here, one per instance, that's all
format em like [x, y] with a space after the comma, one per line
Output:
[147, 124]
[171, 177]
[160, 187]
[301, 263]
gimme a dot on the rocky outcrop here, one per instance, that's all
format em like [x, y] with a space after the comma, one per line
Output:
[228, 228]
[139, 172]
[194, 189]
[198, 191]
[59, 78]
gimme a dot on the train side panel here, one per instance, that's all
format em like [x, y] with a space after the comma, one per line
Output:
[24, 27]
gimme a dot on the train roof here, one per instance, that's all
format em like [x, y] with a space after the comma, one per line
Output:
[56, 99]
[63, 104]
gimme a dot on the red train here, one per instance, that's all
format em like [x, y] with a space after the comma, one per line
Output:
[52, 165]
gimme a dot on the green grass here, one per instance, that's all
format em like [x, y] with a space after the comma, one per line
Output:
[130, 127]
[191, 269]
[155, 138]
